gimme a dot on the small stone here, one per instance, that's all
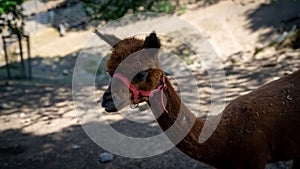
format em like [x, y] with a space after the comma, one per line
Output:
[5, 106]
[27, 120]
[288, 97]
[105, 157]
[22, 115]
[65, 72]
[76, 147]
[185, 51]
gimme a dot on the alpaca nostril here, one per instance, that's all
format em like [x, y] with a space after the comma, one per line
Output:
[107, 97]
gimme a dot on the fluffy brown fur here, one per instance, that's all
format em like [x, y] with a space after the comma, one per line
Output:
[260, 127]
[123, 49]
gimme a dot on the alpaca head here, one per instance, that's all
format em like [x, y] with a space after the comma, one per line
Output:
[133, 66]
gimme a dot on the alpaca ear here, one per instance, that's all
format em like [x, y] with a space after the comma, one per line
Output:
[152, 41]
[112, 40]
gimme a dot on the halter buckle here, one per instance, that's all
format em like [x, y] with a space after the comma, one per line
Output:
[134, 106]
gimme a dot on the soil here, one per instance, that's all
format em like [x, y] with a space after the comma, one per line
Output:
[39, 125]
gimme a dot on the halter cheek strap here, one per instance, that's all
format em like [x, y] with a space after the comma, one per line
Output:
[144, 93]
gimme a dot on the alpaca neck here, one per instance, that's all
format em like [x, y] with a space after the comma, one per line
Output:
[173, 109]
[178, 117]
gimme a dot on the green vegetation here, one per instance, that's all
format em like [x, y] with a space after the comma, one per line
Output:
[114, 9]
[11, 16]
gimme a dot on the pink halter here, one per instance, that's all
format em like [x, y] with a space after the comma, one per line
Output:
[135, 92]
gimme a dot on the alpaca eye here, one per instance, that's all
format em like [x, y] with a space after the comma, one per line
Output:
[141, 76]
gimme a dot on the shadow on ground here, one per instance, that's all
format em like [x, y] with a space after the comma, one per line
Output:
[72, 148]
[266, 16]
[39, 127]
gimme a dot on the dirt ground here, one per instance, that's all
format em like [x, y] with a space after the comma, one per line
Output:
[39, 127]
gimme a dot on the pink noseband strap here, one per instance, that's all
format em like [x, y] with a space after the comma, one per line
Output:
[136, 93]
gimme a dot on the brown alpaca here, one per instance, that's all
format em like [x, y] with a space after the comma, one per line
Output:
[258, 128]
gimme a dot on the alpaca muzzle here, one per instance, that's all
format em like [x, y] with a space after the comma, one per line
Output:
[135, 93]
